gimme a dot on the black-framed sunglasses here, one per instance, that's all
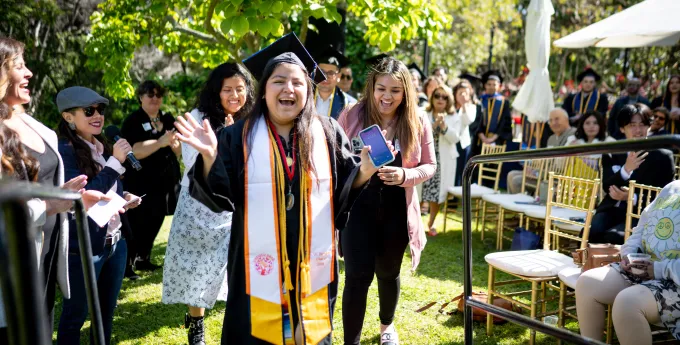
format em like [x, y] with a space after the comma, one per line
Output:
[346, 77]
[89, 111]
[154, 94]
[441, 97]
[662, 118]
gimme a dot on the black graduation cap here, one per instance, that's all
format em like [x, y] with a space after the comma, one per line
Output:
[287, 49]
[414, 66]
[372, 61]
[588, 72]
[472, 78]
[492, 74]
[331, 56]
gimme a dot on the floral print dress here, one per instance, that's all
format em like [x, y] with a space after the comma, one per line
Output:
[658, 234]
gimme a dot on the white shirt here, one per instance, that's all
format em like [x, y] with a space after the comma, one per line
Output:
[323, 106]
[97, 149]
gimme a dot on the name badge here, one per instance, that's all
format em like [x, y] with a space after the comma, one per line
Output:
[146, 126]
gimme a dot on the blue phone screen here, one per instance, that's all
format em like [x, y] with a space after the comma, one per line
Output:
[380, 153]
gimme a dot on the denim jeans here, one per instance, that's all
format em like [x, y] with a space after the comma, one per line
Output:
[109, 268]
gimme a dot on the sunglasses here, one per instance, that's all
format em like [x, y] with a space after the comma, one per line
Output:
[89, 111]
[346, 77]
[441, 97]
[152, 95]
[659, 118]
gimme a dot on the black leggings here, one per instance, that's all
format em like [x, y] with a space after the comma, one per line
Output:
[373, 243]
[146, 221]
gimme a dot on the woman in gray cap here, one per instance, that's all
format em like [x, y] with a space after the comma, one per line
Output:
[85, 151]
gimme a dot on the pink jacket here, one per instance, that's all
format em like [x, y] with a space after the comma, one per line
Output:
[418, 169]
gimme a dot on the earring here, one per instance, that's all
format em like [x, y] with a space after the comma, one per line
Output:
[72, 126]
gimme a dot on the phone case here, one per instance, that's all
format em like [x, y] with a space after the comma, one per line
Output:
[369, 155]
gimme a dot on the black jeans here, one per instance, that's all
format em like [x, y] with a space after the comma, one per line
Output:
[146, 221]
[608, 226]
[373, 243]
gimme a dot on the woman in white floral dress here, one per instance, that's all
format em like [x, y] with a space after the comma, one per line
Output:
[195, 269]
[641, 293]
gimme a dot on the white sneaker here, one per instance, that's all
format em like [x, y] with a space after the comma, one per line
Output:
[389, 336]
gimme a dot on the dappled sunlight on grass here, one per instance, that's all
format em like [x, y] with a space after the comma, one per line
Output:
[141, 318]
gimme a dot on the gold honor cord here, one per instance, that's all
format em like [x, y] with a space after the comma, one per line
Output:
[583, 105]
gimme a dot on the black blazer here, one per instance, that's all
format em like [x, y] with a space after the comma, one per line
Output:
[657, 170]
[102, 182]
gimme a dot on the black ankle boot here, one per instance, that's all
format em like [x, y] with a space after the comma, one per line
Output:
[195, 327]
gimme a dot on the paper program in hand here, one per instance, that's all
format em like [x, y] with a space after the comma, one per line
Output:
[102, 212]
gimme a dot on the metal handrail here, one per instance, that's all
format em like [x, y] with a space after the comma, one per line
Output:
[666, 141]
[22, 288]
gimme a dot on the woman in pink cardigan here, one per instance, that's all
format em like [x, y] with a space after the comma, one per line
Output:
[386, 216]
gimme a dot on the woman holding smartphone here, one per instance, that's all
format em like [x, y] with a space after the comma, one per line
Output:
[386, 216]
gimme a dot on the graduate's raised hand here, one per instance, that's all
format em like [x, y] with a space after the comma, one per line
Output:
[200, 137]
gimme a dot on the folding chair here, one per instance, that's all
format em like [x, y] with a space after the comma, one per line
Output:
[540, 267]
[487, 172]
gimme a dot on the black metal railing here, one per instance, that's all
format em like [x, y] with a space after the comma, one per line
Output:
[22, 286]
[667, 141]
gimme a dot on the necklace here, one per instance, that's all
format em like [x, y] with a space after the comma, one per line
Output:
[289, 167]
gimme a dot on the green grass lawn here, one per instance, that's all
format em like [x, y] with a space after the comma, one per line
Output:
[141, 318]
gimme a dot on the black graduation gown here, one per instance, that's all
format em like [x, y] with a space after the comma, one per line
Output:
[568, 105]
[224, 190]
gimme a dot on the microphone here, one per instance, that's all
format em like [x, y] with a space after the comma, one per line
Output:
[113, 133]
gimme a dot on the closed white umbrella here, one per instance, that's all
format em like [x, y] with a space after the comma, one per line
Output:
[535, 98]
[649, 23]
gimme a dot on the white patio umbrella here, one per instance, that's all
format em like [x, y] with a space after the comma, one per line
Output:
[535, 98]
[649, 23]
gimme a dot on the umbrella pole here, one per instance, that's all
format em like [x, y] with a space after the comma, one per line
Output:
[493, 28]
[625, 61]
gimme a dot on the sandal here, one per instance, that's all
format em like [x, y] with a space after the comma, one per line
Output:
[432, 232]
[389, 337]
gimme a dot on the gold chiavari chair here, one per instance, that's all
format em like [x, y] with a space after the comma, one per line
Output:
[540, 267]
[676, 158]
[487, 172]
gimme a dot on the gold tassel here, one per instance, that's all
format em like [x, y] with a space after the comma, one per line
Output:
[305, 279]
[286, 275]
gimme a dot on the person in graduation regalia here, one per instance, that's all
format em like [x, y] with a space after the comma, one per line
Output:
[496, 125]
[329, 99]
[589, 98]
[289, 176]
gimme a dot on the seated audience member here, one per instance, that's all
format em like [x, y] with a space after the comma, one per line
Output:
[559, 124]
[632, 96]
[652, 168]
[659, 121]
[642, 293]
[591, 129]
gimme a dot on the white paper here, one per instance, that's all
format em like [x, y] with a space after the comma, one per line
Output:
[102, 212]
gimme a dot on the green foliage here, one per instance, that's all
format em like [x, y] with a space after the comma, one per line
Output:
[210, 32]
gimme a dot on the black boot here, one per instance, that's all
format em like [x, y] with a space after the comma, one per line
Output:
[195, 327]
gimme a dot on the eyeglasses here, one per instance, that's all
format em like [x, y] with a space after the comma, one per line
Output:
[346, 76]
[441, 97]
[89, 111]
[154, 94]
[330, 73]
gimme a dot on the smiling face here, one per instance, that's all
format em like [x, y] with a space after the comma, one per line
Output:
[558, 122]
[636, 129]
[86, 127]
[388, 94]
[440, 100]
[17, 90]
[658, 122]
[286, 93]
[233, 94]
[591, 128]
[152, 101]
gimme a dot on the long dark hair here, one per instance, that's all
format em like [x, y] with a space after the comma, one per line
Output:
[86, 164]
[209, 99]
[602, 124]
[12, 149]
[303, 122]
[408, 125]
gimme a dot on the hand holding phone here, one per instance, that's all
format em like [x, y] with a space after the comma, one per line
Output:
[133, 202]
[379, 151]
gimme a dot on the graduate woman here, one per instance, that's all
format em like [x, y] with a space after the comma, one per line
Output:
[386, 216]
[289, 176]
